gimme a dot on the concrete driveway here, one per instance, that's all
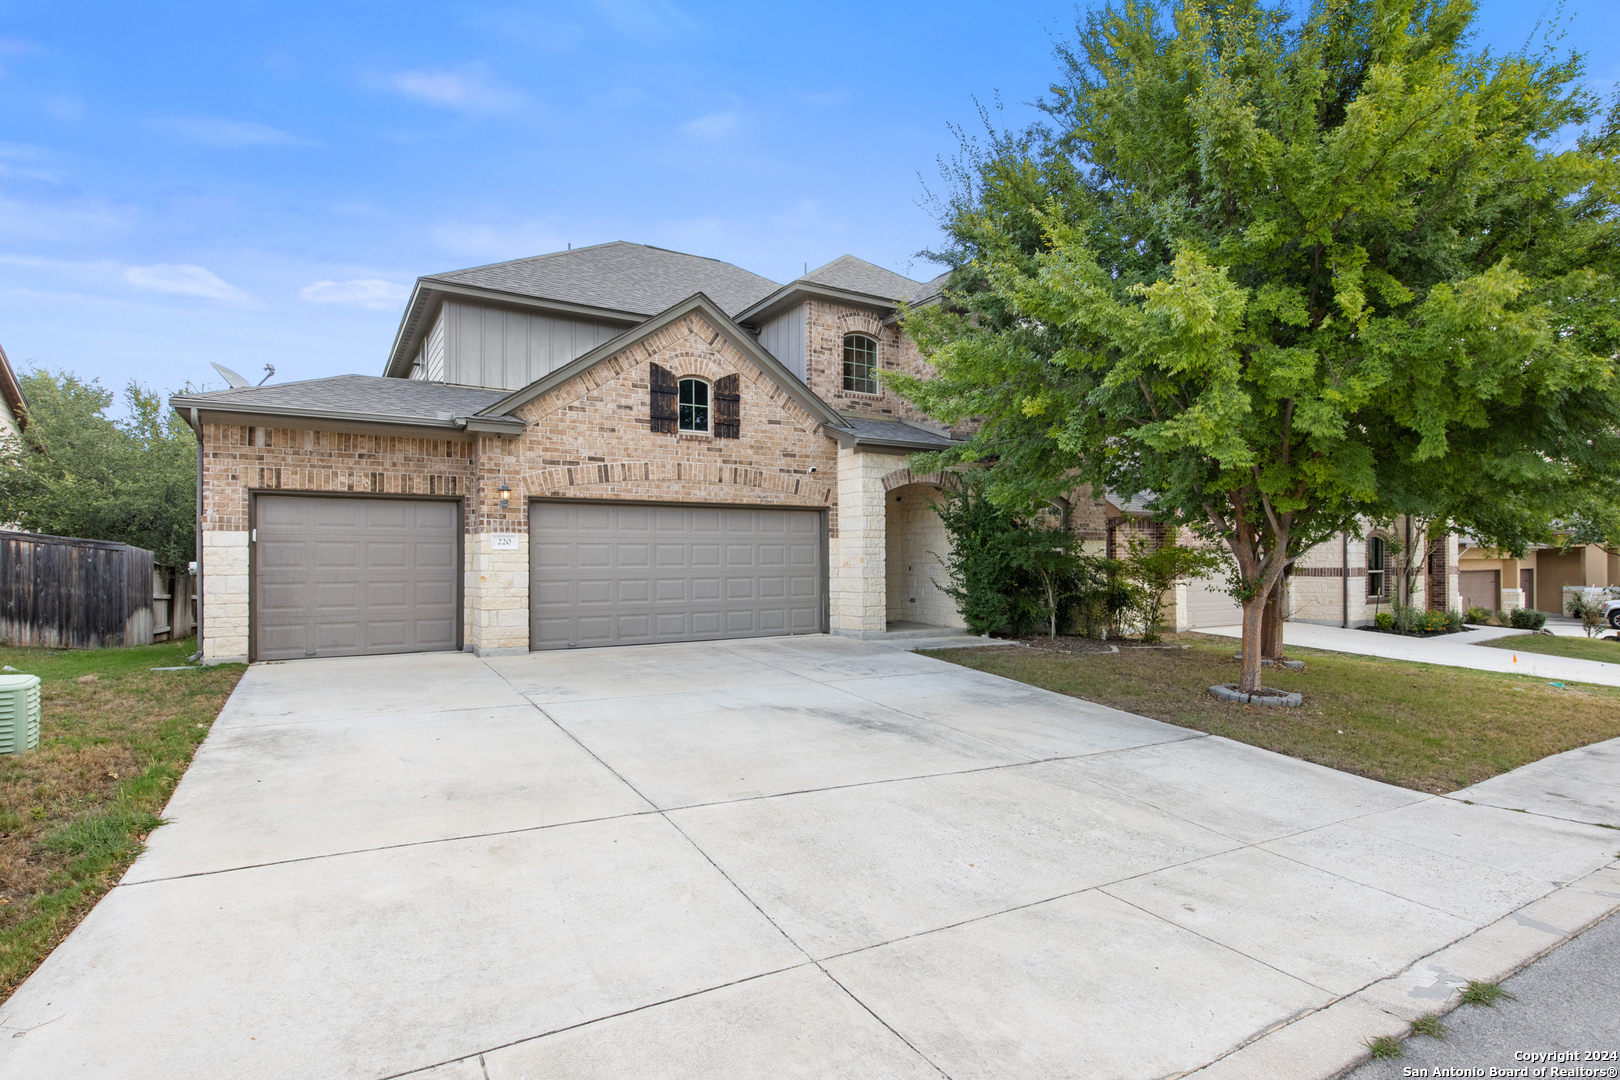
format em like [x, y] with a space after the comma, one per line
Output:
[794, 857]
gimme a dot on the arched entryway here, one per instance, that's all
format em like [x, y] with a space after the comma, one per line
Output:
[914, 541]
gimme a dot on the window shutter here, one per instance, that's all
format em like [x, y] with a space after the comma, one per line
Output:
[728, 407]
[662, 406]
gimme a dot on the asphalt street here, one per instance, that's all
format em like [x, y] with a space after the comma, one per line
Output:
[1564, 1006]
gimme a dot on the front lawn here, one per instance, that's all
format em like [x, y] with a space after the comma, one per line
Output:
[1580, 648]
[115, 738]
[1431, 728]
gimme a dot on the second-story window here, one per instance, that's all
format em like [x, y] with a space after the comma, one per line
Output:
[694, 405]
[860, 364]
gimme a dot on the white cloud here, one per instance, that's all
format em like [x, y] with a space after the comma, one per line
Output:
[64, 108]
[224, 134]
[183, 279]
[373, 293]
[644, 20]
[469, 89]
[713, 126]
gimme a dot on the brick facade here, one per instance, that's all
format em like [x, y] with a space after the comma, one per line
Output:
[825, 325]
[590, 437]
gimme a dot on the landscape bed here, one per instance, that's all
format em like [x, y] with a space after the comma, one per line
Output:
[1420, 726]
[115, 737]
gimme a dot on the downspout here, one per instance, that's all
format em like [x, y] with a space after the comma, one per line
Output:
[1406, 578]
[197, 580]
[1344, 578]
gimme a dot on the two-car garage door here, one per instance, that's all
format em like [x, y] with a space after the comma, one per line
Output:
[626, 574]
[354, 576]
[349, 576]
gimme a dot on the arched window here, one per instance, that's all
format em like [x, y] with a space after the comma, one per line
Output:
[694, 402]
[860, 364]
[1377, 558]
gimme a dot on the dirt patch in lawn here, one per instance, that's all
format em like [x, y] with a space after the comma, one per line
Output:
[1421, 726]
[115, 737]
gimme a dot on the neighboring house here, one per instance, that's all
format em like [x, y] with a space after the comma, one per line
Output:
[13, 415]
[1343, 582]
[611, 445]
[1543, 579]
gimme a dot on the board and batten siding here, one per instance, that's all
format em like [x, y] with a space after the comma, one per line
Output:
[429, 360]
[783, 338]
[506, 349]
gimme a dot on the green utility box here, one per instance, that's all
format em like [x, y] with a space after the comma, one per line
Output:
[19, 713]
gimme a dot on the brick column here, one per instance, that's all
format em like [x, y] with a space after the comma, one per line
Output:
[859, 567]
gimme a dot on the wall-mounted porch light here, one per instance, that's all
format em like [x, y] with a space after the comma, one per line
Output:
[506, 495]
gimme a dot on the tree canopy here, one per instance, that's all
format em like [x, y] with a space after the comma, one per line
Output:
[77, 471]
[1282, 270]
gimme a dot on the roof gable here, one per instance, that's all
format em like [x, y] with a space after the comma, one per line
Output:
[697, 304]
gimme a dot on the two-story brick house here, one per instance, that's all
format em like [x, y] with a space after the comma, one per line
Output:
[611, 445]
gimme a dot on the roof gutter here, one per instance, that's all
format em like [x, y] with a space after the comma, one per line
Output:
[505, 426]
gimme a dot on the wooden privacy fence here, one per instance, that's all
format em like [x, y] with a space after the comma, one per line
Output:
[60, 592]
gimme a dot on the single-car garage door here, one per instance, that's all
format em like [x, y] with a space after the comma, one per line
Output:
[1209, 604]
[354, 576]
[631, 574]
[1482, 588]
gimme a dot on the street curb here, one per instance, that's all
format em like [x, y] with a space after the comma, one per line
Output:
[1331, 1041]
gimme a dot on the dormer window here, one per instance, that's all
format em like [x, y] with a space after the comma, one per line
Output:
[694, 405]
[860, 364]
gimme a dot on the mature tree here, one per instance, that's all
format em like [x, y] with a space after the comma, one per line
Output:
[77, 471]
[1281, 270]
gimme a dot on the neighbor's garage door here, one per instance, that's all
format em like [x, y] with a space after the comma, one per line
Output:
[348, 577]
[1481, 588]
[1209, 604]
[605, 574]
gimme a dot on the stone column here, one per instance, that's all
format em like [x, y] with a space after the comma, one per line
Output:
[225, 596]
[497, 593]
[497, 556]
[859, 571]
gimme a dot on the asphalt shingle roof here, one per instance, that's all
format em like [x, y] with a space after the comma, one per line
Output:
[893, 431]
[372, 394]
[621, 277]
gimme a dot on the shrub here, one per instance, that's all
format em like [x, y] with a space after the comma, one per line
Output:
[1527, 619]
[1007, 571]
[1384, 621]
[1589, 612]
[1479, 616]
[1454, 621]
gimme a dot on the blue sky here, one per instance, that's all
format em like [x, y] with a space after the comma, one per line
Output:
[260, 183]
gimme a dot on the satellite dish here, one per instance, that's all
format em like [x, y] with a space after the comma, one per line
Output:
[236, 381]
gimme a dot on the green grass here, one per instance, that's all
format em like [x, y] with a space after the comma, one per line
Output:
[1429, 1025]
[1581, 648]
[1485, 993]
[115, 738]
[1421, 726]
[1385, 1046]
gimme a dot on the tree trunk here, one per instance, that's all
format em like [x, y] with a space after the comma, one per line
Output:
[1271, 628]
[1254, 611]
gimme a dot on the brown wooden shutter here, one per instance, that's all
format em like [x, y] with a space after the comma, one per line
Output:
[663, 406]
[728, 408]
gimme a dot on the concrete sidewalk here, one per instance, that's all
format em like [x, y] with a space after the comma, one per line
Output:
[807, 857]
[1452, 650]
